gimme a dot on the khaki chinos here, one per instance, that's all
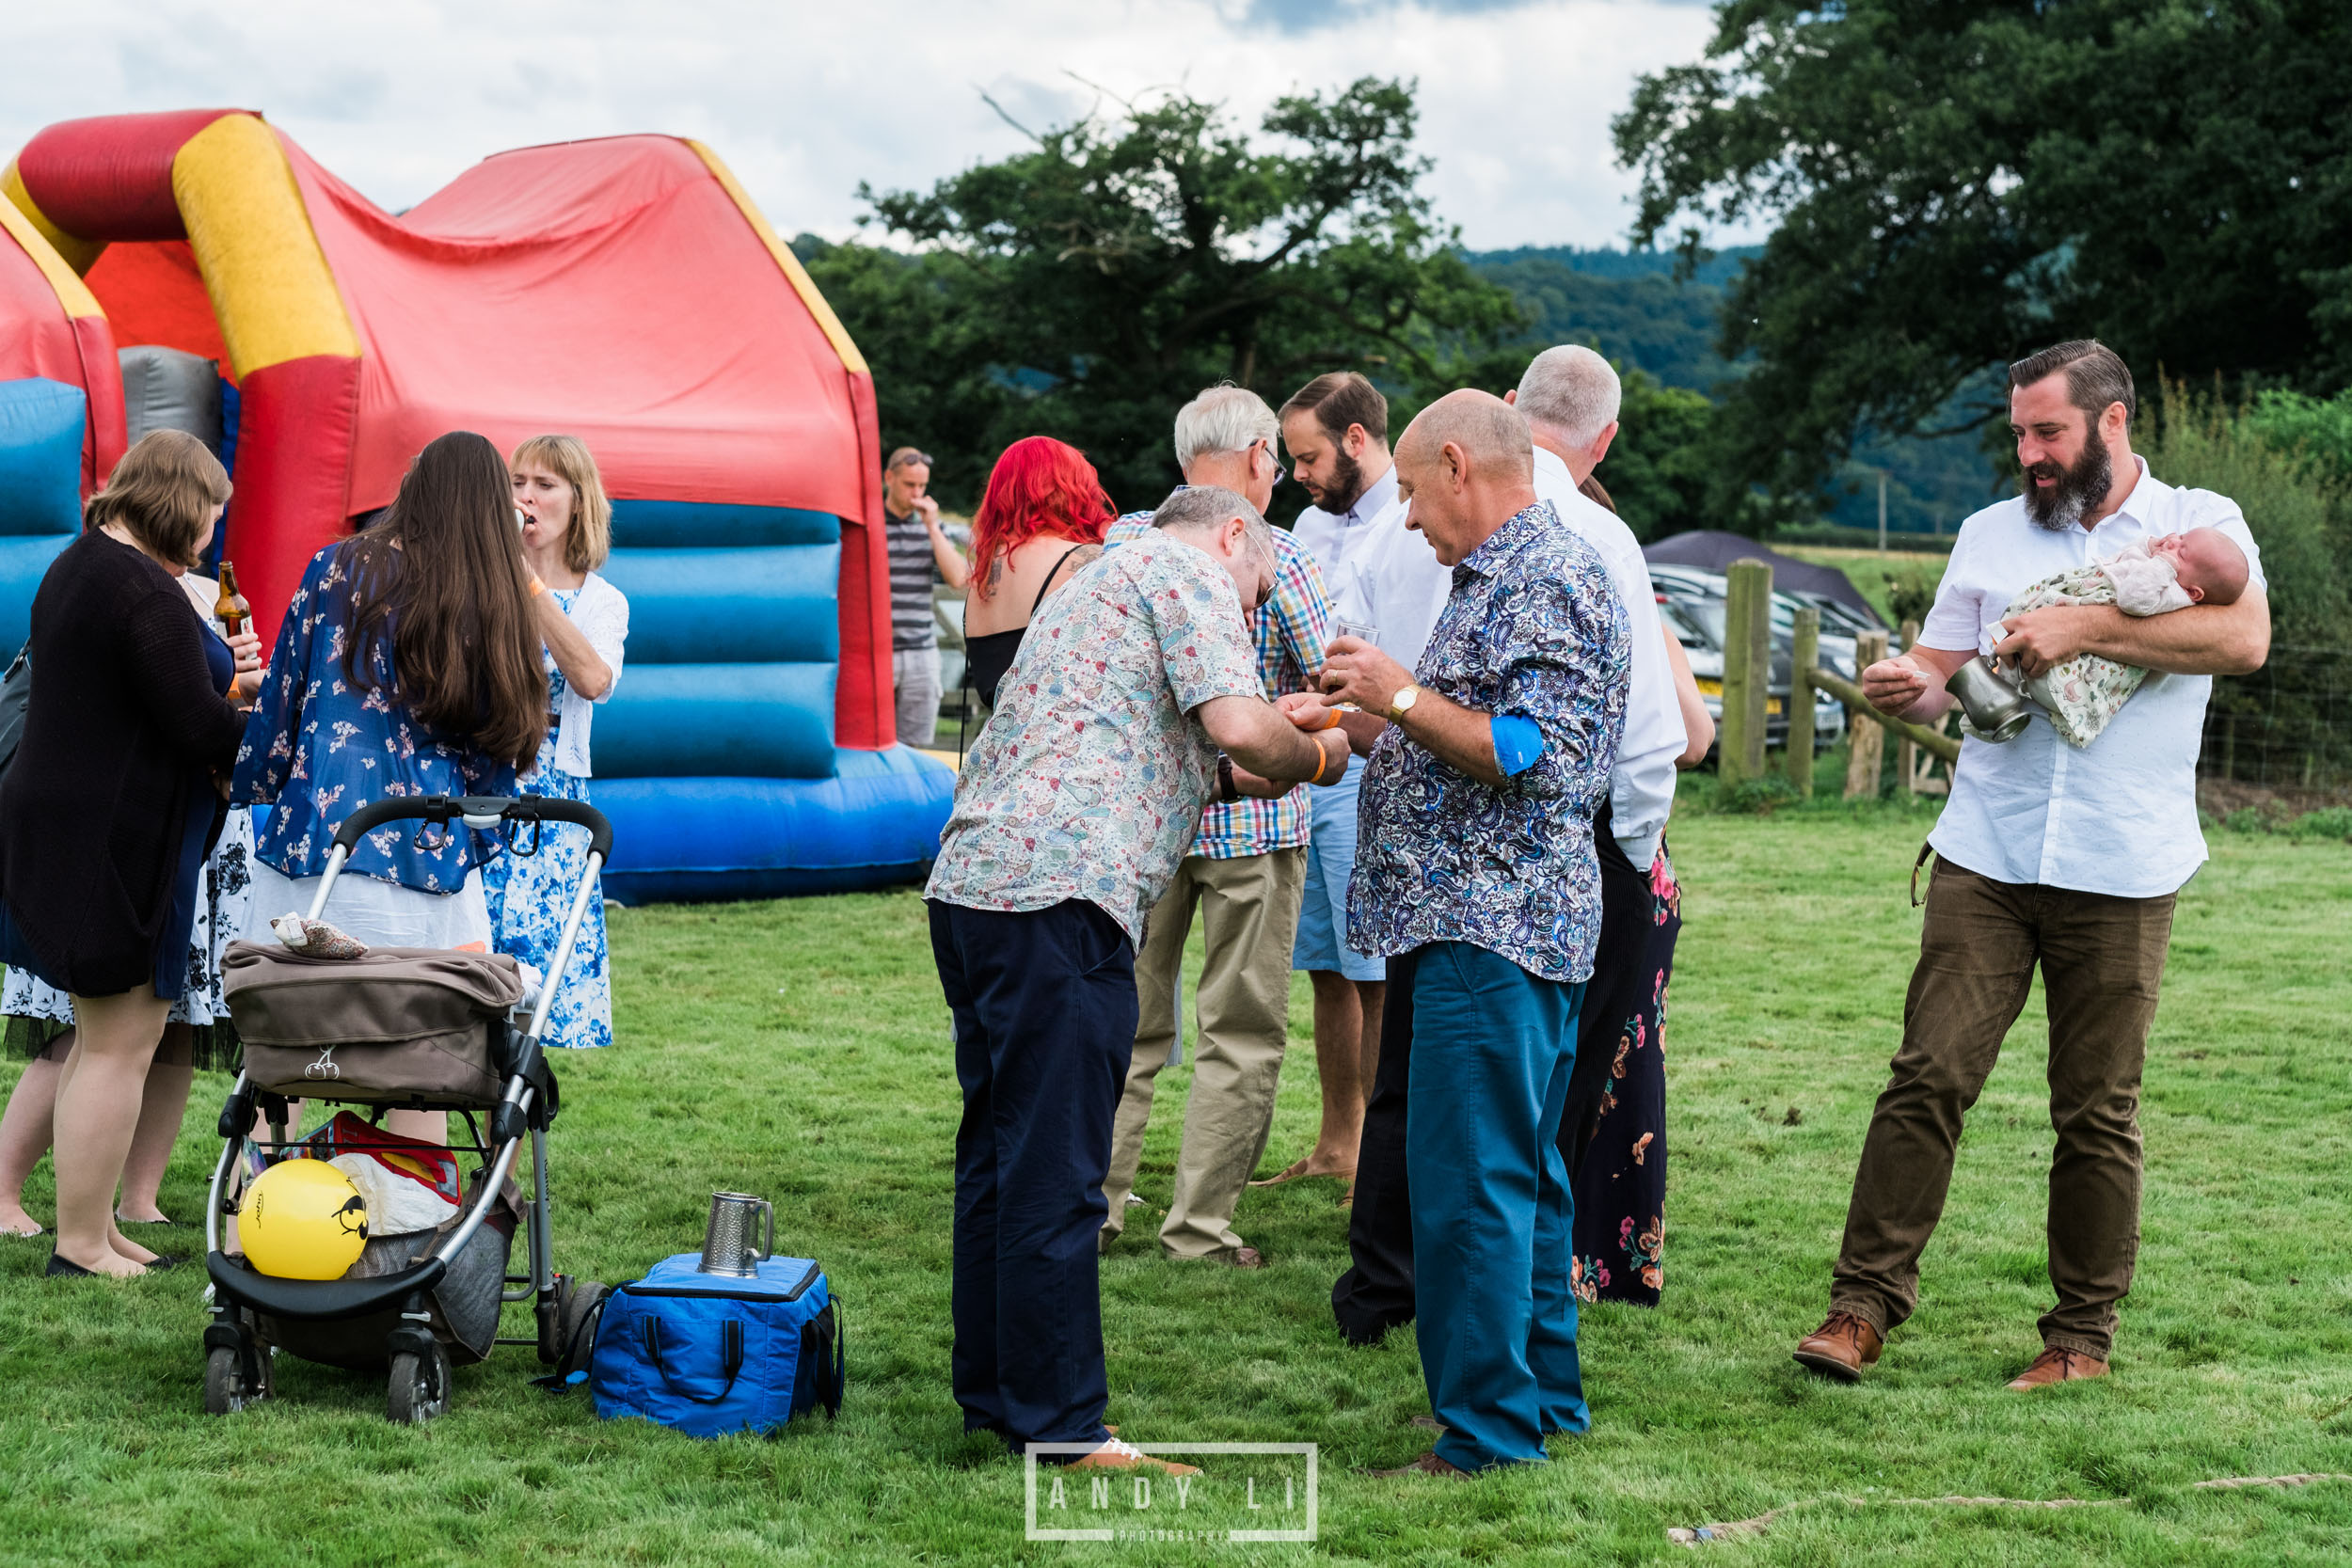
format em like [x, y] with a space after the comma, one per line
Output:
[1249, 910]
[2102, 961]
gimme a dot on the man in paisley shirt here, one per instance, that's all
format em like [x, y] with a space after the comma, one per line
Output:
[1476, 873]
[1076, 803]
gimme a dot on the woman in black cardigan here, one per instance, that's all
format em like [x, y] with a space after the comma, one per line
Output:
[110, 806]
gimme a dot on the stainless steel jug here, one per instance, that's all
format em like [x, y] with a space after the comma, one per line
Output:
[727, 1247]
[1996, 709]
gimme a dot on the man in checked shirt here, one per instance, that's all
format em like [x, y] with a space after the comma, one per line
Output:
[1244, 876]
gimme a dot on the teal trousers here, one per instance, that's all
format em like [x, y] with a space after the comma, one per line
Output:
[1493, 1047]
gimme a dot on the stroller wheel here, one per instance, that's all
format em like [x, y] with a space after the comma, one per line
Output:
[575, 1332]
[420, 1386]
[235, 1378]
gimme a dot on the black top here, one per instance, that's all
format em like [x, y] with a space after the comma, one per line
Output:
[987, 658]
[121, 736]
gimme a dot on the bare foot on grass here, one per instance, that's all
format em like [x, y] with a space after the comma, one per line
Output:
[126, 1249]
[1338, 1163]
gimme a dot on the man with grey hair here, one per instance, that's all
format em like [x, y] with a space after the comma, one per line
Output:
[2047, 856]
[1244, 877]
[1476, 876]
[1569, 397]
[1571, 394]
[1072, 809]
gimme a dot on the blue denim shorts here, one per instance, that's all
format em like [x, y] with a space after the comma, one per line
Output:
[1321, 943]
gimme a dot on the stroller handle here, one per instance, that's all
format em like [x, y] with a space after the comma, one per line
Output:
[442, 808]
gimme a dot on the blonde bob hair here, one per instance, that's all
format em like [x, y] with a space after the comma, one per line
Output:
[589, 541]
[163, 493]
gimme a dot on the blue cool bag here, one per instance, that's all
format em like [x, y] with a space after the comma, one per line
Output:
[708, 1354]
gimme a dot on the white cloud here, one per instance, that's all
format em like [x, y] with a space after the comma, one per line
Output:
[805, 100]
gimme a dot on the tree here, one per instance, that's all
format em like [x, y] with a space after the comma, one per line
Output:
[1087, 287]
[1957, 182]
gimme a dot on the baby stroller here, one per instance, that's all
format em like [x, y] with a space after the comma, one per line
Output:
[400, 1028]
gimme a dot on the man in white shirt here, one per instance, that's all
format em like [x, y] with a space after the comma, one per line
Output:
[1569, 397]
[2069, 858]
[1336, 429]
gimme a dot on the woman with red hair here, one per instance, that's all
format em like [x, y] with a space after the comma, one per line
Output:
[1043, 518]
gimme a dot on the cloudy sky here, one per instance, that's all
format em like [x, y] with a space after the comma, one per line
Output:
[806, 100]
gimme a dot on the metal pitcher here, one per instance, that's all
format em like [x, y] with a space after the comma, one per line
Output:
[1996, 709]
[727, 1247]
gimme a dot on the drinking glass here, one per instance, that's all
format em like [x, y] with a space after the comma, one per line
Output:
[1364, 631]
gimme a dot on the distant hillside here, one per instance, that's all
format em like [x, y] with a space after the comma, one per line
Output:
[1628, 305]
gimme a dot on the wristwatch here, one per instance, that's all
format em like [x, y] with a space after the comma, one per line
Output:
[1401, 704]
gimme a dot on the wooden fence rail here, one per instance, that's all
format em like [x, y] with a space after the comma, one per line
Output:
[1747, 673]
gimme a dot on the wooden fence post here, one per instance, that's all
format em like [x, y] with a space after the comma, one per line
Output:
[1865, 743]
[1747, 670]
[1807, 654]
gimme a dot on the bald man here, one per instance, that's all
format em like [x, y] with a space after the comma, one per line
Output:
[1476, 878]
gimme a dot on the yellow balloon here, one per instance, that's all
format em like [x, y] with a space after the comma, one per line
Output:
[303, 1219]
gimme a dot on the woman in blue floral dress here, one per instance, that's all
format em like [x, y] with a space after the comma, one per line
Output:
[568, 533]
[408, 664]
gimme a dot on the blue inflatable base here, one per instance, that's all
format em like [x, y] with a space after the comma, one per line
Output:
[874, 824]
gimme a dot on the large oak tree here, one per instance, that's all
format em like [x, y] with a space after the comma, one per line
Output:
[1952, 184]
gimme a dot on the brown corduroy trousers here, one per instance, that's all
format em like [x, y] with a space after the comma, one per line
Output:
[2102, 961]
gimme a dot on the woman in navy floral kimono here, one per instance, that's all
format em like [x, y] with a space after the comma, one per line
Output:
[408, 664]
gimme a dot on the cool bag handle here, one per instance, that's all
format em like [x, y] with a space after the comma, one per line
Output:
[730, 1358]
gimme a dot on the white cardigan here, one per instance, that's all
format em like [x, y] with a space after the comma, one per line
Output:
[601, 616]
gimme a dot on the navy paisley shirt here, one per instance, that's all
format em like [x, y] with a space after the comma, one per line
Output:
[1533, 627]
[318, 749]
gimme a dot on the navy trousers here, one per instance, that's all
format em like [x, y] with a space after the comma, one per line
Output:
[1493, 1048]
[1045, 1006]
[1375, 1294]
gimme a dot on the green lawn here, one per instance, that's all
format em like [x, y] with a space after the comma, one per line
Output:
[799, 1050]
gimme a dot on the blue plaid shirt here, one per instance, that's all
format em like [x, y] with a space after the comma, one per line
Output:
[1533, 627]
[1293, 630]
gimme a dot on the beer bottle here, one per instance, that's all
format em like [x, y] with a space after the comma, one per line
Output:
[230, 608]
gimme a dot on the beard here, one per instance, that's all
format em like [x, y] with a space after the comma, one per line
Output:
[1347, 487]
[2078, 488]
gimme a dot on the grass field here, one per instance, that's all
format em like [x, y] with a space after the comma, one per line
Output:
[799, 1050]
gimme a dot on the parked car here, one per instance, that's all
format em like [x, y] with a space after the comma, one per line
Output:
[1698, 588]
[1700, 622]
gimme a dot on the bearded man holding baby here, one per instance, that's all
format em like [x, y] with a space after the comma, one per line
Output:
[2052, 850]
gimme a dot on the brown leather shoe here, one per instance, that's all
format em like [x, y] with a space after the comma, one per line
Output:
[1115, 1455]
[1427, 1464]
[2058, 1366]
[1246, 1258]
[1840, 1348]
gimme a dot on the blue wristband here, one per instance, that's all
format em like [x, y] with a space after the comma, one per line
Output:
[1517, 742]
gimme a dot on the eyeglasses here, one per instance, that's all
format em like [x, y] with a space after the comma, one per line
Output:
[1268, 443]
[907, 460]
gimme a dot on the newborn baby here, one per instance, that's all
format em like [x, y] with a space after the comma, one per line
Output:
[2083, 694]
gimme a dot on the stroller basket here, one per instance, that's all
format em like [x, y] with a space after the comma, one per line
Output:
[397, 1025]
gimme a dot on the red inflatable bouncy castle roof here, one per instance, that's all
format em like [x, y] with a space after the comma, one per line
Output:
[545, 286]
[623, 290]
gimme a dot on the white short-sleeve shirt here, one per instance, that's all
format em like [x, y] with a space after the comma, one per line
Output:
[2118, 815]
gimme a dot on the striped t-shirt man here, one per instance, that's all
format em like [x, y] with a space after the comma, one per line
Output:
[912, 570]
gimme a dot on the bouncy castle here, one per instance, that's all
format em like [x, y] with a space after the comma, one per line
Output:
[197, 269]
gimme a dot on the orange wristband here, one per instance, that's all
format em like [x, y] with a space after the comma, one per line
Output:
[537, 587]
[1330, 723]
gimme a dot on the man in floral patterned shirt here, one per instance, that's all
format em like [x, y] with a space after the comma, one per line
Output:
[1072, 809]
[1476, 873]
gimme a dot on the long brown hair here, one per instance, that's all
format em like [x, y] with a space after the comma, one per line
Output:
[442, 575]
[163, 493]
